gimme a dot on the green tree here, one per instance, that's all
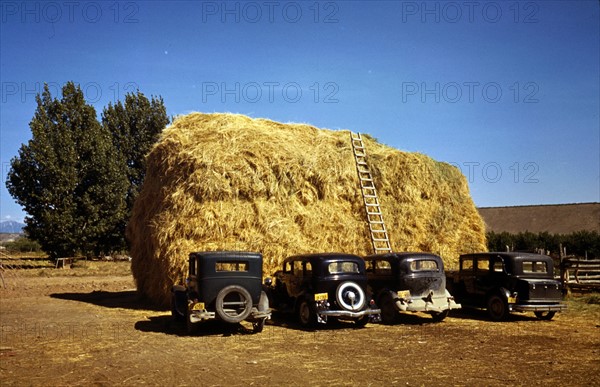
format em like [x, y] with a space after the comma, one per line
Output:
[23, 245]
[135, 126]
[68, 178]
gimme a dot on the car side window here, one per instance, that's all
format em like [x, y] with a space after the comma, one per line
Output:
[298, 270]
[467, 264]
[192, 264]
[288, 267]
[307, 269]
[483, 264]
[498, 266]
[383, 267]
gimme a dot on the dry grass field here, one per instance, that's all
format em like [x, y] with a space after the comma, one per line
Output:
[67, 327]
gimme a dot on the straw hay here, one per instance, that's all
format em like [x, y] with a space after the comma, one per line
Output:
[224, 181]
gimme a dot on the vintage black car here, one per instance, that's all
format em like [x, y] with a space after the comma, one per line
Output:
[318, 286]
[409, 282]
[224, 285]
[507, 282]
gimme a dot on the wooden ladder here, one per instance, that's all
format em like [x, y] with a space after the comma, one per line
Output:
[379, 234]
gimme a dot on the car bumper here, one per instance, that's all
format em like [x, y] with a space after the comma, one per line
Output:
[196, 316]
[437, 305]
[349, 314]
[537, 307]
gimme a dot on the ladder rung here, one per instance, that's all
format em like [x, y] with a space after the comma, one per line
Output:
[370, 196]
[378, 231]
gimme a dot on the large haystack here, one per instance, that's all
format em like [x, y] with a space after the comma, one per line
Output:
[223, 181]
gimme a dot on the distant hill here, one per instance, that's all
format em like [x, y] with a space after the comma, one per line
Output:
[553, 218]
[11, 227]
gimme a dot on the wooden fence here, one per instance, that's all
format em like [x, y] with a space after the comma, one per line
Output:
[580, 274]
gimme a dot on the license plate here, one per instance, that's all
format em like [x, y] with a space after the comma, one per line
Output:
[198, 306]
[404, 294]
[512, 300]
[321, 297]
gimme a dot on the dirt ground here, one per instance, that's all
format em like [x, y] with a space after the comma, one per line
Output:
[93, 330]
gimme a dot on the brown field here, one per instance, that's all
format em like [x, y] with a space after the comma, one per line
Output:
[59, 327]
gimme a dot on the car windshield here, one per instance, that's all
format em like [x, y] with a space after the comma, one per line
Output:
[424, 265]
[343, 267]
[535, 267]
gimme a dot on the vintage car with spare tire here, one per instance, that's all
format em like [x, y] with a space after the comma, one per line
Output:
[223, 285]
[317, 287]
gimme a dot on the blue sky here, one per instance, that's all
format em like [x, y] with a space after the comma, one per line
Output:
[507, 91]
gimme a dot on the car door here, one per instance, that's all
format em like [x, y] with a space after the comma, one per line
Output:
[484, 279]
[467, 274]
[295, 278]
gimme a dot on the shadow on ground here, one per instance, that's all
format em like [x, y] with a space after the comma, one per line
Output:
[168, 325]
[482, 315]
[128, 299]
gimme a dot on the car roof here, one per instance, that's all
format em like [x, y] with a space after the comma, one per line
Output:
[407, 254]
[324, 256]
[226, 254]
[513, 255]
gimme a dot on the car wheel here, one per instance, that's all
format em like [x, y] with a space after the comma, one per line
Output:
[350, 296]
[497, 308]
[545, 315]
[361, 321]
[233, 304]
[389, 313]
[306, 315]
[440, 316]
[258, 326]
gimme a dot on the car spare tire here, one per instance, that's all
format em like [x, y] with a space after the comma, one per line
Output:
[233, 304]
[350, 296]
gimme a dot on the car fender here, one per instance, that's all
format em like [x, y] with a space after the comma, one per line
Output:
[385, 292]
[502, 292]
[178, 288]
